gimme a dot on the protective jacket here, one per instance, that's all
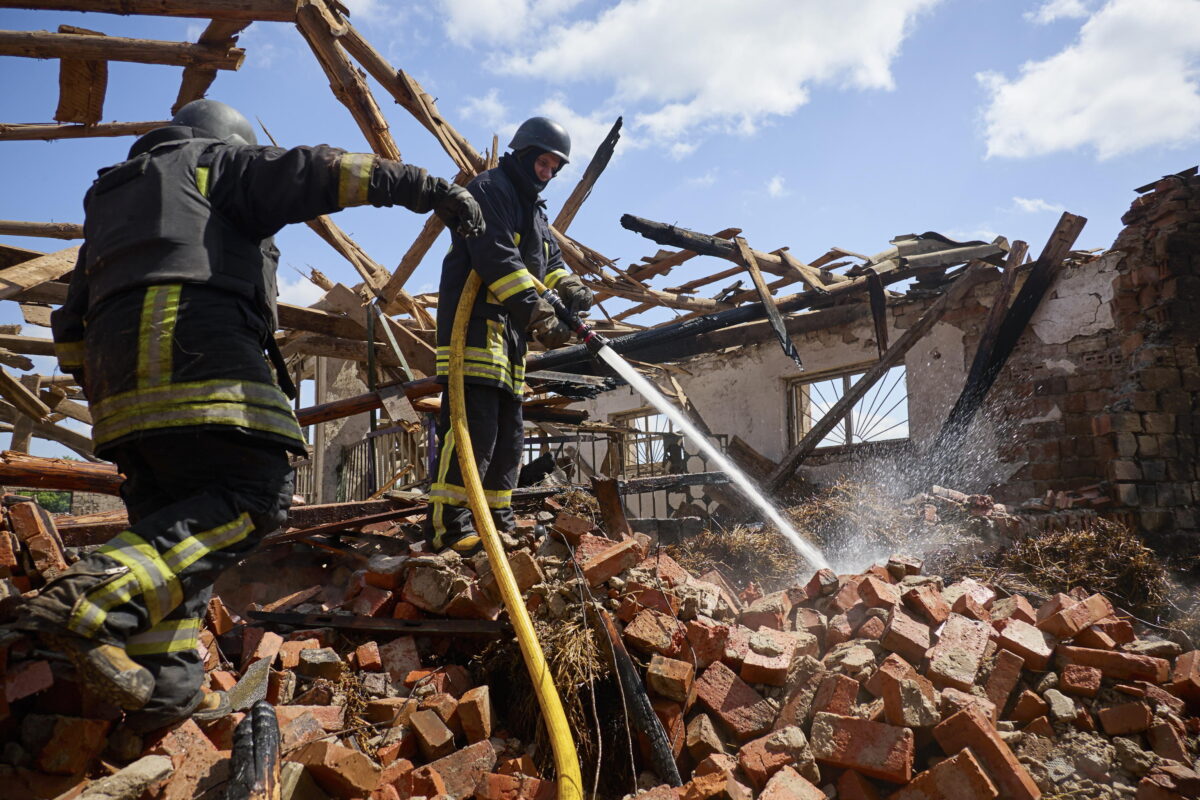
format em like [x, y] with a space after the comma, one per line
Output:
[172, 301]
[516, 247]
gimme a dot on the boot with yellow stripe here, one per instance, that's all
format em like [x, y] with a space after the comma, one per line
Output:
[465, 544]
[105, 669]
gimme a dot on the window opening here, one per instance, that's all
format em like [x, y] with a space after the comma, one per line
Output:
[880, 415]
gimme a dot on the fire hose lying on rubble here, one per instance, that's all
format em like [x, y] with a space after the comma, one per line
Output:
[565, 758]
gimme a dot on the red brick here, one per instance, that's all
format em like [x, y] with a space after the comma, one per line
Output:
[289, 652]
[847, 596]
[852, 786]
[1169, 782]
[406, 610]
[1033, 645]
[706, 641]
[957, 778]
[1096, 638]
[433, 737]
[836, 694]
[877, 593]
[27, 678]
[180, 742]
[1168, 740]
[1126, 718]
[771, 611]
[1040, 727]
[220, 731]
[872, 628]
[258, 644]
[739, 707]
[893, 666]
[969, 728]
[331, 718]
[718, 785]
[36, 531]
[1185, 678]
[956, 658]
[1079, 680]
[1118, 666]
[906, 635]
[391, 710]
[372, 601]
[74, 743]
[446, 707]
[475, 714]
[909, 701]
[968, 606]
[428, 588]
[571, 527]
[670, 677]
[839, 631]
[638, 596]
[1073, 619]
[769, 657]
[368, 658]
[473, 603]
[787, 784]
[218, 617]
[400, 657]
[462, 770]
[701, 738]
[339, 770]
[955, 700]
[1004, 676]
[495, 786]
[654, 632]
[927, 601]
[613, 561]
[1055, 604]
[1119, 630]
[1015, 607]
[1029, 706]
[872, 748]
[715, 762]
[301, 730]
[823, 583]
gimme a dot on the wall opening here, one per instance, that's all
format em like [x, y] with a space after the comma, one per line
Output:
[880, 415]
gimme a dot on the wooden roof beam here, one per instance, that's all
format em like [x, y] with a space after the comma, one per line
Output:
[266, 10]
[25, 131]
[42, 44]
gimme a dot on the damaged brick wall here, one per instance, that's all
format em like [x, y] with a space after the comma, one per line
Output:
[1151, 422]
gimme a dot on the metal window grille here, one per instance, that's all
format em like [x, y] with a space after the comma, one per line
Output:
[881, 414]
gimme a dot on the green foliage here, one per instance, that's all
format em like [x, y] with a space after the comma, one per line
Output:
[54, 502]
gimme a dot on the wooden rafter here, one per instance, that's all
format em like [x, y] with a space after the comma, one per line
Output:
[266, 10]
[81, 85]
[221, 34]
[24, 131]
[42, 44]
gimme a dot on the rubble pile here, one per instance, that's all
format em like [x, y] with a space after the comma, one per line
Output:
[889, 683]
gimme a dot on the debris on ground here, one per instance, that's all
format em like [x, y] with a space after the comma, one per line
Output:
[392, 672]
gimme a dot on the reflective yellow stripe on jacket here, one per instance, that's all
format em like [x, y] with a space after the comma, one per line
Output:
[171, 636]
[354, 178]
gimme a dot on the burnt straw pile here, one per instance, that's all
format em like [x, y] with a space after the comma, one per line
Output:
[364, 667]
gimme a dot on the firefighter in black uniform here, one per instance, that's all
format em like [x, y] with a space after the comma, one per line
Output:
[516, 247]
[170, 309]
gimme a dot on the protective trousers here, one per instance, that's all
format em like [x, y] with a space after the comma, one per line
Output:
[495, 423]
[197, 502]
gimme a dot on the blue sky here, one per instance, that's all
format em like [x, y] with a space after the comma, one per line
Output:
[806, 123]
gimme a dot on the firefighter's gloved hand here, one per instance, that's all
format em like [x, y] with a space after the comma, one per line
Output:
[547, 328]
[576, 296]
[457, 208]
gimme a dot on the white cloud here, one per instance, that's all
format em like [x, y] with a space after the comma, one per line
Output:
[1036, 205]
[472, 21]
[487, 110]
[1130, 81]
[362, 9]
[683, 70]
[775, 187]
[981, 233]
[587, 130]
[299, 291]
[707, 179]
[1052, 10]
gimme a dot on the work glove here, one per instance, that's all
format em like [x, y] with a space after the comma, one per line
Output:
[455, 206]
[576, 296]
[547, 328]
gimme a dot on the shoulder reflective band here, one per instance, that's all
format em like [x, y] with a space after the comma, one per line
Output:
[202, 180]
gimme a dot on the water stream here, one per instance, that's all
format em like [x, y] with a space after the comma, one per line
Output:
[747, 487]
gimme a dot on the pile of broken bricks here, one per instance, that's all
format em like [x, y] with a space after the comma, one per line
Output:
[880, 684]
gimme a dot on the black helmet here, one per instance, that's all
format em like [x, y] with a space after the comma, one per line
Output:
[217, 120]
[545, 134]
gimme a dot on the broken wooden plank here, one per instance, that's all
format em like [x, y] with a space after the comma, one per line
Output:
[412, 627]
[318, 27]
[27, 345]
[266, 10]
[582, 189]
[43, 44]
[611, 509]
[36, 314]
[878, 302]
[81, 85]
[999, 309]
[52, 230]
[404, 347]
[10, 359]
[791, 460]
[56, 399]
[409, 95]
[636, 701]
[23, 131]
[220, 34]
[48, 430]
[661, 266]
[22, 397]
[1041, 276]
[349, 406]
[703, 244]
[807, 275]
[35, 272]
[23, 428]
[746, 256]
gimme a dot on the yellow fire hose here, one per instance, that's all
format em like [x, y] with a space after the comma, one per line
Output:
[566, 761]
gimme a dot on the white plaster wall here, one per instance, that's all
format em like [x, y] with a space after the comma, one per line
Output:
[1080, 303]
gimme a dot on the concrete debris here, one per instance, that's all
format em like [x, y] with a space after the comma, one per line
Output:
[887, 683]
